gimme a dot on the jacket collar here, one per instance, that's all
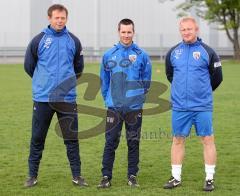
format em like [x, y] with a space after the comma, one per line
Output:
[133, 46]
[50, 30]
[122, 46]
[197, 42]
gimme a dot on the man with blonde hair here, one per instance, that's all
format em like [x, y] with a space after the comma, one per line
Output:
[194, 71]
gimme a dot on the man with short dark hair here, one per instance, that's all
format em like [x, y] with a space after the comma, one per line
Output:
[125, 79]
[54, 61]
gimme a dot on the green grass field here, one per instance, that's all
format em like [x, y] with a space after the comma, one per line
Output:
[54, 174]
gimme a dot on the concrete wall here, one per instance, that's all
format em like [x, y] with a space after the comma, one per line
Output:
[95, 22]
[15, 25]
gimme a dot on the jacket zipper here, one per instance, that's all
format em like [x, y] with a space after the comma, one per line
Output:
[187, 77]
[123, 86]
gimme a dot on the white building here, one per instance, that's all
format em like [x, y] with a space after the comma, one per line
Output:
[95, 23]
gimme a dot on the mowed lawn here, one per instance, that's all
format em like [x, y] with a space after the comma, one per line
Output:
[54, 174]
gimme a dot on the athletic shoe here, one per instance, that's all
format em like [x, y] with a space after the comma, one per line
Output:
[30, 182]
[105, 182]
[132, 181]
[79, 181]
[209, 185]
[172, 183]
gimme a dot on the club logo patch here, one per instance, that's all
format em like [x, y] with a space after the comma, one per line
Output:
[132, 57]
[196, 55]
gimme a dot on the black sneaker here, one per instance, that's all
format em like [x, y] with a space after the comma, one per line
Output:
[30, 182]
[172, 183]
[79, 181]
[209, 185]
[105, 182]
[132, 181]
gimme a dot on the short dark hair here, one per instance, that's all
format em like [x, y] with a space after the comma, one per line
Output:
[56, 7]
[125, 21]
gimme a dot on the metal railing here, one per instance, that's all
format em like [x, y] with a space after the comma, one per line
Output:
[16, 54]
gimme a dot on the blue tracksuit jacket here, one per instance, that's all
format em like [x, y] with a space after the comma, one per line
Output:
[53, 60]
[125, 77]
[194, 71]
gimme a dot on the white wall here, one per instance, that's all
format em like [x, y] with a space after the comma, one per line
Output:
[95, 22]
[155, 22]
[15, 22]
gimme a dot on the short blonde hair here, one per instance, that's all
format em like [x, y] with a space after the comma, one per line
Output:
[188, 18]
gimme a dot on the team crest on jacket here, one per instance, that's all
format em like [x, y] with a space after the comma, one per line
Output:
[196, 55]
[132, 57]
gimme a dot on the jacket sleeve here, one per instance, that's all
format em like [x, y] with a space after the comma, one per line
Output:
[147, 73]
[215, 70]
[105, 78]
[31, 55]
[78, 59]
[169, 67]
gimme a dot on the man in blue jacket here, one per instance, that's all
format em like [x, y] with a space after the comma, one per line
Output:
[125, 79]
[54, 61]
[194, 70]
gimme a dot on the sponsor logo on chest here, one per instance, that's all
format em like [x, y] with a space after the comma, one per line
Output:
[177, 53]
[47, 42]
